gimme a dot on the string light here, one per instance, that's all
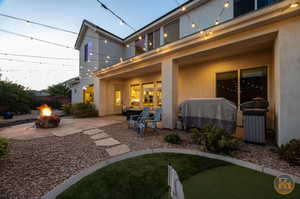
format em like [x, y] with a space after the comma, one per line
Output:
[105, 41]
[226, 4]
[140, 37]
[36, 39]
[114, 14]
[295, 4]
[127, 46]
[165, 35]
[217, 22]
[183, 8]
[28, 22]
[33, 62]
[35, 56]
[108, 57]
[193, 25]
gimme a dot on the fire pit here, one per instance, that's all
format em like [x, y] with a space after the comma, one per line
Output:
[47, 118]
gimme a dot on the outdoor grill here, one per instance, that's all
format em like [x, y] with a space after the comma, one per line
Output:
[254, 120]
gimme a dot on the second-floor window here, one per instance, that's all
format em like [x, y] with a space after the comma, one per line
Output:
[154, 40]
[140, 46]
[263, 3]
[171, 32]
[244, 6]
[86, 52]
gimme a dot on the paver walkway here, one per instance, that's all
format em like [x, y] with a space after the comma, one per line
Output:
[115, 147]
[68, 126]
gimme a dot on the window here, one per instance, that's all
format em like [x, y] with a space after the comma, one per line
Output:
[243, 6]
[86, 52]
[154, 40]
[118, 98]
[135, 94]
[88, 94]
[263, 3]
[148, 94]
[171, 32]
[140, 46]
[227, 86]
[158, 93]
[253, 84]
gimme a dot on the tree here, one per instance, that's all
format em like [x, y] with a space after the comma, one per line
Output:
[15, 98]
[59, 90]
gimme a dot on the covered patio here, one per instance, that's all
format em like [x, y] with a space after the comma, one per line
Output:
[227, 71]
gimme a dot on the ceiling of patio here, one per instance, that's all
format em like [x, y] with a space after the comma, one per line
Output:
[250, 45]
[140, 71]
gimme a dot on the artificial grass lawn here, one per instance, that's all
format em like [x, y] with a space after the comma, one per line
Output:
[140, 177]
[233, 182]
[146, 177]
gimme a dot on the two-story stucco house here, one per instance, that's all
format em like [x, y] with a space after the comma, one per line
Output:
[234, 49]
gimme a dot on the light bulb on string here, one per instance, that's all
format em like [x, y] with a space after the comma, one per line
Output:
[183, 8]
[226, 4]
[217, 22]
[193, 25]
[295, 4]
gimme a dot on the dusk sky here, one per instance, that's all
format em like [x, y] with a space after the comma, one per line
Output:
[66, 14]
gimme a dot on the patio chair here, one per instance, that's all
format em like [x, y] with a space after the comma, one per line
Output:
[134, 119]
[149, 123]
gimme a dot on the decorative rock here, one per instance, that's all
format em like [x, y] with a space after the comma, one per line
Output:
[99, 136]
[107, 142]
[118, 150]
[93, 131]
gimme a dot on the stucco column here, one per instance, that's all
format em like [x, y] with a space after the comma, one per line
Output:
[169, 75]
[287, 80]
[100, 95]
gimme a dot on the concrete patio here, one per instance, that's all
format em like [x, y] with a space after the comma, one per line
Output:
[68, 126]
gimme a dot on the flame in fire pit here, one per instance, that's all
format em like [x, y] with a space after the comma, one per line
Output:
[45, 110]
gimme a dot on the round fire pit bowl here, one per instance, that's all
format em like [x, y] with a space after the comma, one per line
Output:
[48, 121]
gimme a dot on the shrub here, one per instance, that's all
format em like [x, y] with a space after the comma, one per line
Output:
[67, 108]
[15, 98]
[84, 110]
[214, 139]
[291, 152]
[173, 139]
[3, 146]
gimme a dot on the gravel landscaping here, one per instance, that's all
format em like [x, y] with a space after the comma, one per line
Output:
[34, 167]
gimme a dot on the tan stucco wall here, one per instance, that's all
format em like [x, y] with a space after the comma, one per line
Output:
[199, 80]
[287, 73]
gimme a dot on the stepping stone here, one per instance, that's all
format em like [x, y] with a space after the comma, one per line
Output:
[93, 131]
[107, 142]
[66, 132]
[99, 136]
[117, 150]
